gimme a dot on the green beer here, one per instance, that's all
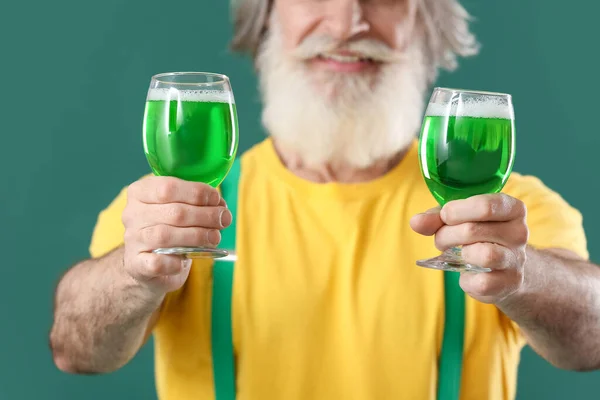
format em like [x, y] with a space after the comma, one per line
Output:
[190, 134]
[466, 155]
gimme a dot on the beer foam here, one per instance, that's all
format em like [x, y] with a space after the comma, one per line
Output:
[203, 96]
[486, 107]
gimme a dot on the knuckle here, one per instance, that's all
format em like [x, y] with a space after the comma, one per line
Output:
[519, 276]
[489, 207]
[215, 217]
[482, 286]
[129, 236]
[154, 265]
[513, 205]
[490, 255]
[156, 235]
[201, 193]
[198, 235]
[198, 195]
[472, 230]
[504, 199]
[126, 216]
[129, 213]
[176, 215]
[132, 190]
[165, 190]
[161, 234]
[521, 257]
[213, 196]
[519, 207]
[522, 233]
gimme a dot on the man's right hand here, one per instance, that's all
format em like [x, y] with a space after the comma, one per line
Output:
[169, 212]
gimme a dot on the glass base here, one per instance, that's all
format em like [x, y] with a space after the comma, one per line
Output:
[451, 260]
[193, 252]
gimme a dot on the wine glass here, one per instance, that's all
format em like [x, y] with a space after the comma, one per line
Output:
[466, 148]
[191, 132]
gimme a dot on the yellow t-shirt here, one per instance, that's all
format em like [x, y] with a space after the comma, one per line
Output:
[328, 302]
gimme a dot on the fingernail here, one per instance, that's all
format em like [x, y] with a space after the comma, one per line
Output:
[214, 237]
[226, 218]
[434, 210]
[214, 199]
[186, 263]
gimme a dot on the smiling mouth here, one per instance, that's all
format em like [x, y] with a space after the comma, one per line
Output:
[345, 58]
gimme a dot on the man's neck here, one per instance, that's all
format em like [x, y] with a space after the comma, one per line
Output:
[336, 172]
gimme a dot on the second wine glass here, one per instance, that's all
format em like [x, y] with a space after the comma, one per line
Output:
[466, 148]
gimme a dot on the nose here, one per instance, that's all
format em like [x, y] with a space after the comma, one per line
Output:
[345, 19]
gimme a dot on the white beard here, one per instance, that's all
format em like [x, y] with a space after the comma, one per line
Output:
[352, 119]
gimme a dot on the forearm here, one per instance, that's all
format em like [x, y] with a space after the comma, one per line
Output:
[558, 309]
[101, 315]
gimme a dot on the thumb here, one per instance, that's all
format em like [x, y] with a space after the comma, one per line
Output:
[427, 223]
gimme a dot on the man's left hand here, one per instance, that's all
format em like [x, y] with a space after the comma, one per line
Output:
[493, 233]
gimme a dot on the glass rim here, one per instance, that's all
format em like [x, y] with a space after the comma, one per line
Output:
[222, 79]
[475, 92]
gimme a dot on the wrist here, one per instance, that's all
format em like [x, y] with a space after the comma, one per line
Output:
[516, 303]
[143, 291]
[511, 301]
[524, 286]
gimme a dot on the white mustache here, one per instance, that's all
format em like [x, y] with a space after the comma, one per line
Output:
[314, 46]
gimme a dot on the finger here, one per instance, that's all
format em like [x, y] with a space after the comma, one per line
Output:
[427, 223]
[481, 208]
[183, 215]
[489, 255]
[160, 236]
[166, 189]
[222, 203]
[509, 234]
[491, 287]
[156, 265]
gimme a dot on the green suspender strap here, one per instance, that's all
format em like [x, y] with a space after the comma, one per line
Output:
[451, 356]
[221, 329]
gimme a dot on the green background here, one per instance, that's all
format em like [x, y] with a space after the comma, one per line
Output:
[74, 76]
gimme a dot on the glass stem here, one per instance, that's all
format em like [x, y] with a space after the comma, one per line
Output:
[454, 254]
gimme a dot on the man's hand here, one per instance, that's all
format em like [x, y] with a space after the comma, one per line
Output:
[169, 212]
[493, 233]
[106, 307]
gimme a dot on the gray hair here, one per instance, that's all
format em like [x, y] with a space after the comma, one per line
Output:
[446, 25]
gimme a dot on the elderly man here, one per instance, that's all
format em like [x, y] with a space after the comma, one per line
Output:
[327, 300]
